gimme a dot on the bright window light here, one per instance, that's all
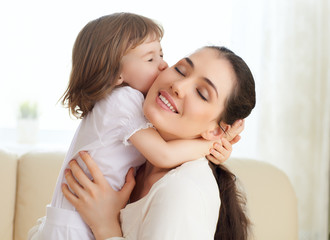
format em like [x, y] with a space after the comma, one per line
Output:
[37, 39]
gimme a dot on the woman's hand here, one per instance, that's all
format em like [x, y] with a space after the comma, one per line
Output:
[98, 204]
[221, 150]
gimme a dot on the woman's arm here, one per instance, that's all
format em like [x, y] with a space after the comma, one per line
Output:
[191, 214]
[98, 204]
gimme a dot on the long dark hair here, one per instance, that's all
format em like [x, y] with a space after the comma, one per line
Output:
[233, 223]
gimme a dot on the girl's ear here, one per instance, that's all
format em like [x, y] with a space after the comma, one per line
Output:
[120, 80]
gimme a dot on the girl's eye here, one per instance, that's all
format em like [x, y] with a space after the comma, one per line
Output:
[201, 95]
[178, 70]
[150, 60]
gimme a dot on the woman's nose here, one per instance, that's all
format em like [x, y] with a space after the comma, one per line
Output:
[162, 65]
[179, 87]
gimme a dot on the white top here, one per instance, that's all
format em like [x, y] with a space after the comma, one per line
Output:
[104, 133]
[184, 204]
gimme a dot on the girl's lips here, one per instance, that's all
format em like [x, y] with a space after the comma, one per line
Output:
[166, 102]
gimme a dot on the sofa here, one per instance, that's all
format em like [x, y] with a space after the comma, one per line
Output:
[27, 183]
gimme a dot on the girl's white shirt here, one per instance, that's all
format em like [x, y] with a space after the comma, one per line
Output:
[104, 133]
[184, 204]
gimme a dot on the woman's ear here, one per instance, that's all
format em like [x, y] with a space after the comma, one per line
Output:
[216, 131]
[213, 134]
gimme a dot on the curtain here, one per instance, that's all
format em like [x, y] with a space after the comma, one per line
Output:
[287, 44]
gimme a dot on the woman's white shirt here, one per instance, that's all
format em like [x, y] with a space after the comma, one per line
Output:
[184, 204]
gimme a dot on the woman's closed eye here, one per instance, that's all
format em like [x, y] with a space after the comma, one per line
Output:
[179, 71]
[201, 95]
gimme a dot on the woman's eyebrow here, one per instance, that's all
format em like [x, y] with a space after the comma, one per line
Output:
[188, 60]
[208, 81]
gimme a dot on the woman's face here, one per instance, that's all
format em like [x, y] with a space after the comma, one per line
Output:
[187, 99]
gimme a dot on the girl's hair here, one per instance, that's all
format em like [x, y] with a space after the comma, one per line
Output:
[97, 54]
[233, 223]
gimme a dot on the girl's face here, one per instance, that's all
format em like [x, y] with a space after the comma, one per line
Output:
[187, 99]
[142, 64]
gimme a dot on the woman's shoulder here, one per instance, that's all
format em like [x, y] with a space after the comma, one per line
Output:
[194, 177]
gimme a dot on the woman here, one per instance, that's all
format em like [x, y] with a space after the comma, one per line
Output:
[211, 86]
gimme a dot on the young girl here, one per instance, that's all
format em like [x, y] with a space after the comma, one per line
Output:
[115, 60]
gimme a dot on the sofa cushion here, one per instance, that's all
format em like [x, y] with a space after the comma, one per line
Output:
[8, 165]
[36, 175]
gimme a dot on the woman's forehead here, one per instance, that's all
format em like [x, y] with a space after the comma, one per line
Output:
[208, 63]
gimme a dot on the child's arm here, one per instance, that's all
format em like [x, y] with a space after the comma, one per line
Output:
[168, 154]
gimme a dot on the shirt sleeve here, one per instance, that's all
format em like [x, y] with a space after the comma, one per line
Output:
[181, 217]
[121, 114]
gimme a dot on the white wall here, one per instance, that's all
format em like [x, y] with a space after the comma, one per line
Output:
[37, 39]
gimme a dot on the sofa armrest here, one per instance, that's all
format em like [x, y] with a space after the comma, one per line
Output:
[37, 174]
[8, 166]
[271, 200]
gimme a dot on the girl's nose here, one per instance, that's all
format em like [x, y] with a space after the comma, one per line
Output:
[162, 65]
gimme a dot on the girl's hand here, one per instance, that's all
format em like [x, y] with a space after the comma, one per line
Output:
[232, 132]
[97, 203]
[222, 149]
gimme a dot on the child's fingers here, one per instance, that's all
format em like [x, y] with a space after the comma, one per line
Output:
[213, 159]
[92, 167]
[235, 140]
[235, 129]
[226, 145]
[217, 153]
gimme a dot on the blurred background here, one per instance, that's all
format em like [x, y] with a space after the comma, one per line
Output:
[285, 43]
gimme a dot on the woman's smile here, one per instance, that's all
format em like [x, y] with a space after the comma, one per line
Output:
[166, 102]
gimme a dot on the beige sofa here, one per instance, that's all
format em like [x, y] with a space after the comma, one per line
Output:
[27, 183]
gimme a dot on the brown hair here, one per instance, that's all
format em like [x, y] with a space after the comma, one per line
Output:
[97, 54]
[233, 223]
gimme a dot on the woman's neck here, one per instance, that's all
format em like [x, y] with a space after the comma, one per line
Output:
[145, 177]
